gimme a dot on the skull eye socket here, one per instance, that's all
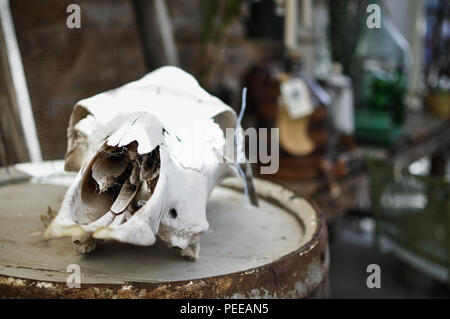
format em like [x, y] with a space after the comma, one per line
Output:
[173, 213]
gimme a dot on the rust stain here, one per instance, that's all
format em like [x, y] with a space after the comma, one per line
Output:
[223, 285]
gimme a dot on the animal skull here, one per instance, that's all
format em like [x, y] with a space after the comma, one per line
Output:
[136, 178]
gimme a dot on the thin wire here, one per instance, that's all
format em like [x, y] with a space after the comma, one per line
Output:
[238, 124]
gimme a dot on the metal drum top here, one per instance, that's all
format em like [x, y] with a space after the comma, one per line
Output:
[276, 250]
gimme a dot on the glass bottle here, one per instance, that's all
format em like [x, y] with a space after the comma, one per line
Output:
[382, 61]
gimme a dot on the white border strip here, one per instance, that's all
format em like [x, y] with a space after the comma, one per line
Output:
[19, 83]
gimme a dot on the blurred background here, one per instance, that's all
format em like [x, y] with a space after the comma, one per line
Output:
[359, 90]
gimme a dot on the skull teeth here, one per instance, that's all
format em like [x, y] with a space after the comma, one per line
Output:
[126, 195]
[125, 177]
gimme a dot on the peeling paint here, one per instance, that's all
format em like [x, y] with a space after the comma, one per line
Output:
[14, 282]
[42, 284]
[128, 287]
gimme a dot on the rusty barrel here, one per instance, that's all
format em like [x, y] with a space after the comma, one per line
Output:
[278, 250]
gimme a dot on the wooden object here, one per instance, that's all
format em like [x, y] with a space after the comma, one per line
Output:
[294, 136]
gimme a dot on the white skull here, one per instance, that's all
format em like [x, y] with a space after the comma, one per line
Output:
[140, 171]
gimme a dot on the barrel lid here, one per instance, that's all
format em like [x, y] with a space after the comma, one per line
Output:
[242, 239]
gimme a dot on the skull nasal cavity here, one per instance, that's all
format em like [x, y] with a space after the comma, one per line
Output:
[173, 213]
